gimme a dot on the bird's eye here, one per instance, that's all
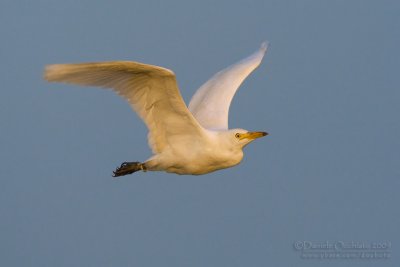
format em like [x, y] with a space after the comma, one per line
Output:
[237, 135]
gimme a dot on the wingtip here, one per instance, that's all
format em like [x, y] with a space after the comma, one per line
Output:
[50, 71]
[46, 72]
[264, 46]
[53, 72]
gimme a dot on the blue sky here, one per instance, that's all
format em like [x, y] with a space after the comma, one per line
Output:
[327, 92]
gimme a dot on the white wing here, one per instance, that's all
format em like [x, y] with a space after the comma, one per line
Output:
[210, 104]
[152, 92]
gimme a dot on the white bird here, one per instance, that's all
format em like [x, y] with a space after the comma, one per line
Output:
[194, 140]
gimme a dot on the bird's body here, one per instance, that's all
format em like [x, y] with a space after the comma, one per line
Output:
[194, 140]
[183, 158]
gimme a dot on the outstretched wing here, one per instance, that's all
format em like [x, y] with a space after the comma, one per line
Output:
[152, 92]
[210, 104]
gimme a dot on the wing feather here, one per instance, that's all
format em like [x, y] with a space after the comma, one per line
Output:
[152, 92]
[210, 104]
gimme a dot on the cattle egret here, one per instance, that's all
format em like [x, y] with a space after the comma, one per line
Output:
[184, 140]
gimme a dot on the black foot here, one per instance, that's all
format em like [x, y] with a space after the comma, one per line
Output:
[128, 168]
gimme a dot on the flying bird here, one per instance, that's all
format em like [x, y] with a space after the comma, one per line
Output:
[184, 140]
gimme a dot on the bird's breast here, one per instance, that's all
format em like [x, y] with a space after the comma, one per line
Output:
[201, 161]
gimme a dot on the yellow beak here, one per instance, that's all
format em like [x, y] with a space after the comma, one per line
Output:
[253, 135]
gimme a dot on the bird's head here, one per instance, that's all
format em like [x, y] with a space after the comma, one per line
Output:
[241, 137]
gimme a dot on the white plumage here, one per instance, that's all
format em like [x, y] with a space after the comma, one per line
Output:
[210, 104]
[183, 141]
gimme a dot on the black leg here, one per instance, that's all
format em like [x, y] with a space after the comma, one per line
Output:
[128, 168]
